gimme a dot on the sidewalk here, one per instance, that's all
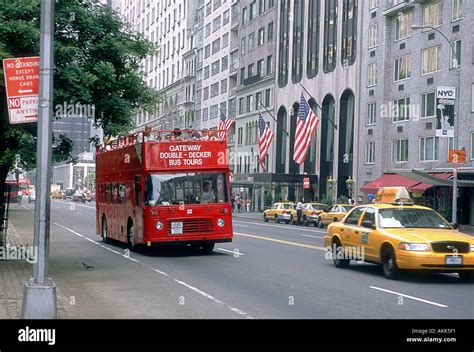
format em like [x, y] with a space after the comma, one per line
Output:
[13, 276]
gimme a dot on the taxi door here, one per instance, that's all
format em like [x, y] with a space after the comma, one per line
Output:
[369, 236]
[351, 232]
[329, 216]
[271, 211]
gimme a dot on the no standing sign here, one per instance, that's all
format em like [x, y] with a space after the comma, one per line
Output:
[22, 83]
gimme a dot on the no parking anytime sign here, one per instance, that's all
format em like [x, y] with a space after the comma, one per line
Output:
[22, 82]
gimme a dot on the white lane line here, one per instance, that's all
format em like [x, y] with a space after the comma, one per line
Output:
[195, 289]
[311, 236]
[236, 253]
[410, 297]
[241, 225]
[79, 213]
[279, 226]
[74, 203]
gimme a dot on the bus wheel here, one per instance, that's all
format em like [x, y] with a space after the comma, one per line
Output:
[131, 236]
[208, 247]
[105, 239]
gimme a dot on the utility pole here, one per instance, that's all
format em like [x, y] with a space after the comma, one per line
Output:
[39, 298]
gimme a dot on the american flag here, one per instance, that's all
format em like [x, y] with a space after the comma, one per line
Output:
[265, 136]
[224, 125]
[305, 128]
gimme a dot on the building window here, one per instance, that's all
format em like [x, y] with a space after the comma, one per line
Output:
[225, 63]
[216, 24]
[207, 51]
[225, 40]
[432, 15]
[429, 149]
[243, 45]
[270, 31]
[297, 62]
[430, 60]
[260, 67]
[373, 4]
[251, 42]
[428, 105]
[400, 150]
[455, 62]
[269, 64]
[261, 36]
[401, 111]
[283, 44]
[472, 97]
[208, 30]
[241, 106]
[226, 17]
[349, 32]
[205, 114]
[258, 100]
[313, 39]
[240, 136]
[402, 68]
[371, 114]
[268, 97]
[242, 75]
[261, 6]
[214, 90]
[370, 153]
[206, 72]
[456, 10]
[372, 74]
[472, 145]
[216, 45]
[253, 10]
[205, 94]
[373, 35]
[245, 14]
[403, 24]
[330, 35]
[215, 67]
[250, 70]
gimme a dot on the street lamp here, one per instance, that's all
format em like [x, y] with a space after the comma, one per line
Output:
[330, 187]
[456, 115]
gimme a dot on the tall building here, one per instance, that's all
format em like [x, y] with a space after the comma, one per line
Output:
[401, 71]
[214, 62]
[169, 24]
[255, 52]
[318, 48]
[79, 129]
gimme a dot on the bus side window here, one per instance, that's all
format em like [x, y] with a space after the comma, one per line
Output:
[121, 194]
[138, 194]
[107, 193]
[114, 193]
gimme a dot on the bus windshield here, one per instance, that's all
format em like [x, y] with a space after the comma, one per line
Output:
[186, 188]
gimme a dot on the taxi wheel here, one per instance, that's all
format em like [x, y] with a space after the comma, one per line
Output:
[389, 264]
[305, 221]
[336, 249]
[466, 276]
[277, 220]
[265, 219]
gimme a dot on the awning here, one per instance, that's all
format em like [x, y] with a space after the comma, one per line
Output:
[389, 180]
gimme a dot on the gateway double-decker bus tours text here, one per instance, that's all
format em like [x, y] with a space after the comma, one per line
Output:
[152, 191]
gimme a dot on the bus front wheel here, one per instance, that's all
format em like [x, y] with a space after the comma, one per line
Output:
[208, 247]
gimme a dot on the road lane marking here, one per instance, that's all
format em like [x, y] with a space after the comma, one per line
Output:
[73, 203]
[233, 252]
[240, 225]
[410, 297]
[281, 241]
[311, 236]
[279, 226]
[195, 289]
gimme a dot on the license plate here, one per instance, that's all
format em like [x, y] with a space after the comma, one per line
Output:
[453, 260]
[176, 228]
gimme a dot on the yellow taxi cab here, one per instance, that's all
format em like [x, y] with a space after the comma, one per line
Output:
[334, 214]
[395, 233]
[57, 195]
[310, 213]
[279, 212]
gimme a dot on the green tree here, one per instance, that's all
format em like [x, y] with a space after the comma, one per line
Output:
[97, 60]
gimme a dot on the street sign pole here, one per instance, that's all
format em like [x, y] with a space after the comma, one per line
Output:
[39, 299]
[455, 192]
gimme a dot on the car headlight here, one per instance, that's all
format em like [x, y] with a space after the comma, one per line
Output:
[220, 222]
[159, 225]
[419, 247]
[472, 247]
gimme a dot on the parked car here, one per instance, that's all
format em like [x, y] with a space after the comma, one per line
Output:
[32, 197]
[57, 195]
[79, 197]
[279, 212]
[69, 193]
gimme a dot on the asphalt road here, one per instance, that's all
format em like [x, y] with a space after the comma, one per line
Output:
[268, 271]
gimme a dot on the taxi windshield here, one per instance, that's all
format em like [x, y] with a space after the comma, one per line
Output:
[411, 218]
[186, 188]
[287, 206]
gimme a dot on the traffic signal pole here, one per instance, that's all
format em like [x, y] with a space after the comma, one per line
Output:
[39, 297]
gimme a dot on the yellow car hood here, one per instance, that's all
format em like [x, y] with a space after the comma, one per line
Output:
[429, 235]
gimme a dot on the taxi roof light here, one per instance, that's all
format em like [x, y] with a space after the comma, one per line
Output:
[394, 195]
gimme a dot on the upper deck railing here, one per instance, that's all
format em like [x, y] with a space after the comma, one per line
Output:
[182, 135]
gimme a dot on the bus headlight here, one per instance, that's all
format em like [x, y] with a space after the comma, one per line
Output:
[159, 225]
[419, 247]
[220, 223]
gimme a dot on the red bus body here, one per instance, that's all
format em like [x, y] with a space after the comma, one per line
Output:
[124, 179]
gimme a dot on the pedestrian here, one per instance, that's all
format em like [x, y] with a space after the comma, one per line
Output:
[237, 201]
[247, 203]
[351, 201]
[299, 212]
[232, 201]
[20, 196]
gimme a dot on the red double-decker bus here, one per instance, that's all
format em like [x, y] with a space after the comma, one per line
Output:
[163, 192]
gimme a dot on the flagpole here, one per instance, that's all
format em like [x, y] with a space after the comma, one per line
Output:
[273, 117]
[319, 106]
